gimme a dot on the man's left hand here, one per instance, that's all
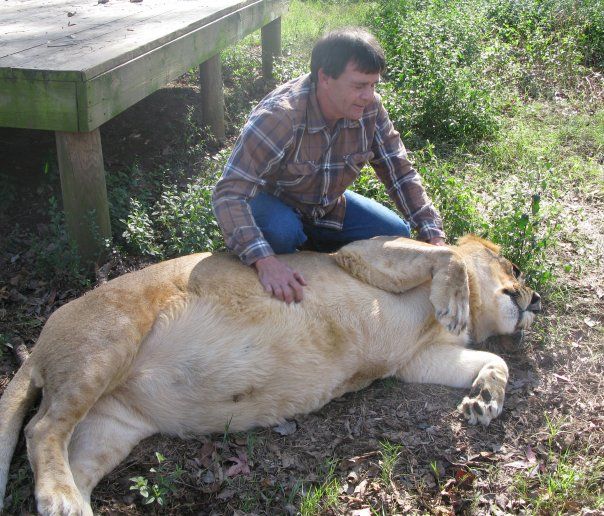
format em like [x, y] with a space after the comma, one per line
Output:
[437, 241]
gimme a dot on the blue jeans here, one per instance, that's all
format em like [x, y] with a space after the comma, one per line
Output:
[285, 230]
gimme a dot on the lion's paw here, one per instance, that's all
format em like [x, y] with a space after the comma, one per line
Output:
[453, 310]
[483, 404]
[65, 502]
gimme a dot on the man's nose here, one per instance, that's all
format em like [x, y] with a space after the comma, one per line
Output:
[367, 94]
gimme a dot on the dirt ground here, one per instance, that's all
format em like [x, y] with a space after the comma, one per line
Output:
[554, 404]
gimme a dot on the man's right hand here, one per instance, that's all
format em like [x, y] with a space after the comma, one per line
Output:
[279, 280]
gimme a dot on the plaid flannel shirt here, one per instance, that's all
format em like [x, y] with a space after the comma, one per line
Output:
[287, 150]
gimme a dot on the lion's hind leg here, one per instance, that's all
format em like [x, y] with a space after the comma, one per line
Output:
[47, 437]
[455, 366]
[68, 395]
[102, 440]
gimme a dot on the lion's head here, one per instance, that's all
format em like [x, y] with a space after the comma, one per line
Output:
[503, 303]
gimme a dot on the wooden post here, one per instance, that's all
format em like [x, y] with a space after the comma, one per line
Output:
[212, 96]
[271, 46]
[84, 191]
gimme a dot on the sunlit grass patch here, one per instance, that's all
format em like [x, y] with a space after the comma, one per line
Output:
[390, 453]
[318, 499]
[568, 483]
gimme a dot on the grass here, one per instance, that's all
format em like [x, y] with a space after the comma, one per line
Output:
[565, 483]
[306, 21]
[318, 499]
[390, 453]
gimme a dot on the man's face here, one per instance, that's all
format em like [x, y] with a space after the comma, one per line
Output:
[348, 95]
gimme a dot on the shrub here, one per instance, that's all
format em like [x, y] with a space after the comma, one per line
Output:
[526, 226]
[57, 257]
[179, 222]
[433, 51]
[552, 27]
[454, 65]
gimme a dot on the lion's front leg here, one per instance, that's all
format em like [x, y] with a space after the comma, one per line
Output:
[455, 366]
[399, 264]
[450, 294]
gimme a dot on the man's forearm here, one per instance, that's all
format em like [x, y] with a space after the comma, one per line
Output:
[235, 219]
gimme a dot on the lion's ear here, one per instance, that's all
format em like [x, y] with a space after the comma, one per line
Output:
[473, 239]
[391, 264]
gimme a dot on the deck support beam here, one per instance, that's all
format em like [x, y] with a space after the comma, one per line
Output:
[212, 96]
[84, 191]
[271, 46]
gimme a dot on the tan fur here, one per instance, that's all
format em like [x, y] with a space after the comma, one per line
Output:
[187, 346]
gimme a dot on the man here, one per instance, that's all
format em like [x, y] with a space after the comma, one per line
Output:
[285, 184]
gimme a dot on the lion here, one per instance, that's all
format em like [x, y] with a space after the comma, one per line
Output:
[189, 345]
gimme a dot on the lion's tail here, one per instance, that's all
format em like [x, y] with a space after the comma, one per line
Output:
[18, 396]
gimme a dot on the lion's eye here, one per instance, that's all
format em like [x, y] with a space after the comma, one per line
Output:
[517, 272]
[510, 292]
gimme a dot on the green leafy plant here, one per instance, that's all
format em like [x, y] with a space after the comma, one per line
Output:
[161, 484]
[57, 256]
[456, 201]
[526, 229]
[181, 221]
[433, 90]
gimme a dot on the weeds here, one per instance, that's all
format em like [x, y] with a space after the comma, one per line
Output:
[526, 230]
[19, 490]
[4, 344]
[57, 256]
[181, 221]
[160, 486]
[449, 191]
[251, 442]
[433, 50]
[226, 433]
[454, 65]
[320, 498]
[566, 481]
[565, 485]
[390, 454]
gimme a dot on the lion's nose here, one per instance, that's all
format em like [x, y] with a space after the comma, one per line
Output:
[535, 305]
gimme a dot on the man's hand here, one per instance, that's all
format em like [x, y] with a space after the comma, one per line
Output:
[279, 280]
[437, 241]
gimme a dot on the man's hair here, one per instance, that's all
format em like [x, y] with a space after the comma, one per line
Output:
[333, 52]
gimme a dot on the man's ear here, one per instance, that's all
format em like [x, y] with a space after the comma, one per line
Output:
[322, 77]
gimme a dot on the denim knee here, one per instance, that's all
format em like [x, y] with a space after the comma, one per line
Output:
[279, 223]
[284, 238]
[398, 227]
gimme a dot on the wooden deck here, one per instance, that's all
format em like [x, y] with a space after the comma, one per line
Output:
[69, 66]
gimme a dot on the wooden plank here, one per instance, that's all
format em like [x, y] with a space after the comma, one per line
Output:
[18, 11]
[110, 93]
[38, 105]
[33, 27]
[84, 191]
[24, 21]
[212, 96]
[122, 37]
